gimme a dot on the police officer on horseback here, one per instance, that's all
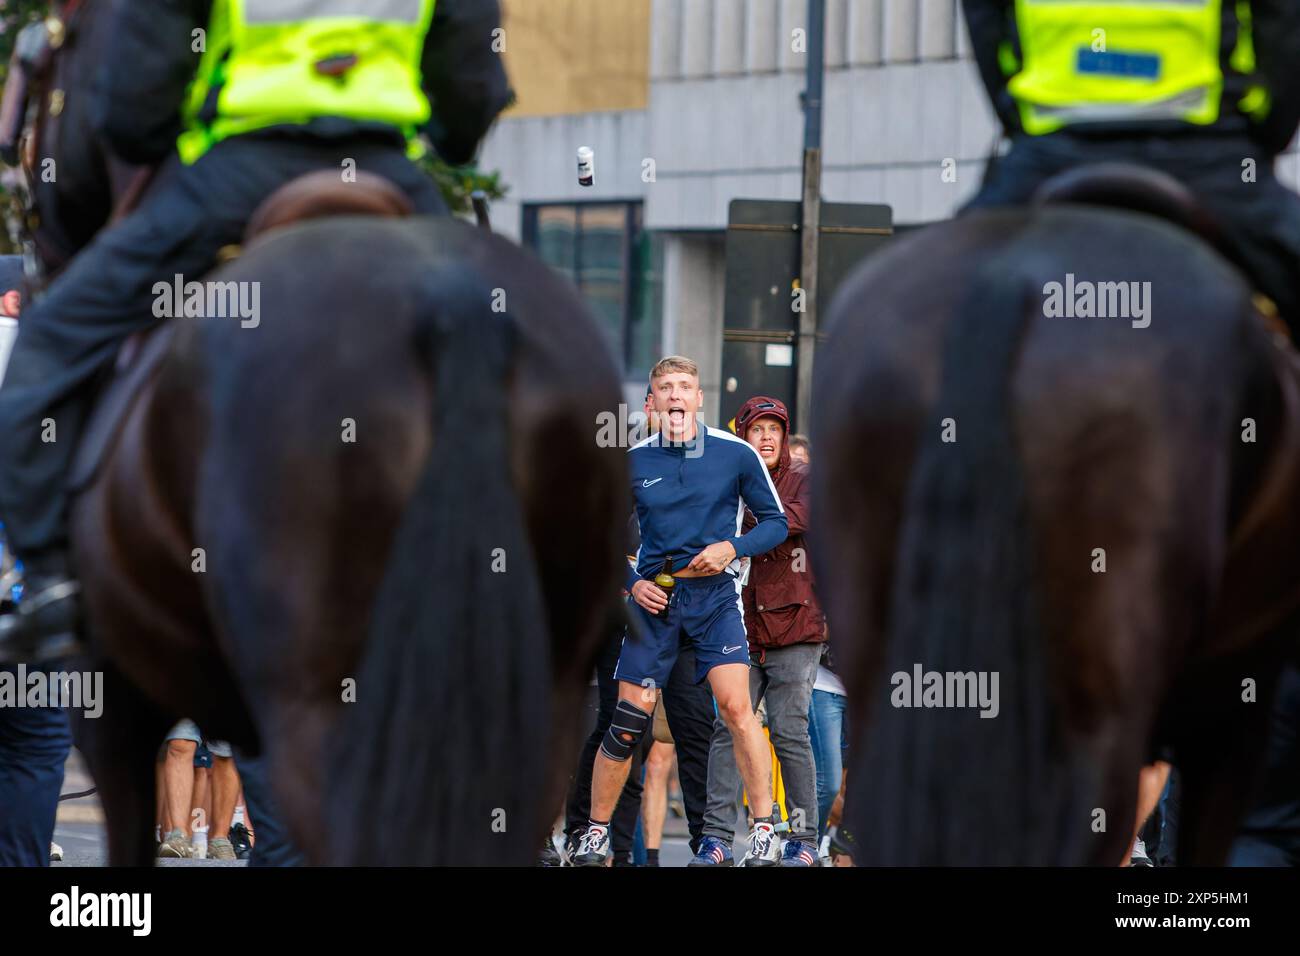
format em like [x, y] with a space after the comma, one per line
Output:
[1206, 91]
[234, 99]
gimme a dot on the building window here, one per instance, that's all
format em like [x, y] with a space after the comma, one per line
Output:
[616, 265]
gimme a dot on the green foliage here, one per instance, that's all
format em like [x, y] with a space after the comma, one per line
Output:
[458, 182]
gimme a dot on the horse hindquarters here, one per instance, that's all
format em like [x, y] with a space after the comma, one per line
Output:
[1041, 443]
[1218, 717]
[964, 784]
[451, 722]
[371, 562]
[526, 529]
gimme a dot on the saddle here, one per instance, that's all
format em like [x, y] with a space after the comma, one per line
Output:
[318, 195]
[1151, 192]
[323, 194]
[1135, 188]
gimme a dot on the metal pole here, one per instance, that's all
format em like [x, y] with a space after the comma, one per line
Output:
[815, 71]
[811, 211]
[478, 199]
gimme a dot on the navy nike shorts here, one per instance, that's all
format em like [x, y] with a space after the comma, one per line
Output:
[702, 612]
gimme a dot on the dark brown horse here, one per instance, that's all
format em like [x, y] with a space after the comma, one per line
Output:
[372, 538]
[1099, 512]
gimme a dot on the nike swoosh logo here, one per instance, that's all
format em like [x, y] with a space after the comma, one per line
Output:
[728, 650]
[647, 484]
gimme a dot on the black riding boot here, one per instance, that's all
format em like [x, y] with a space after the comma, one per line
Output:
[44, 625]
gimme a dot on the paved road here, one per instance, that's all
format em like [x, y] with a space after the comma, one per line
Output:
[85, 844]
[80, 829]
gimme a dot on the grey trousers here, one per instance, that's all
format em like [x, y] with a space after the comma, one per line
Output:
[785, 679]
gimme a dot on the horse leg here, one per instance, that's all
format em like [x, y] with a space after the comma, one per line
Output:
[120, 746]
[295, 761]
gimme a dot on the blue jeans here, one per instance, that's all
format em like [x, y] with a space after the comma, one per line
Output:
[34, 745]
[827, 733]
[1270, 834]
[1257, 851]
[274, 847]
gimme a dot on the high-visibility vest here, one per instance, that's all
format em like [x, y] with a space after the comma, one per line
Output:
[273, 62]
[1126, 61]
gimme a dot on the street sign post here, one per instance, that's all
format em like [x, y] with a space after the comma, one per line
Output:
[761, 339]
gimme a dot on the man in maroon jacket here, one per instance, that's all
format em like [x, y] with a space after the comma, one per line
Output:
[785, 629]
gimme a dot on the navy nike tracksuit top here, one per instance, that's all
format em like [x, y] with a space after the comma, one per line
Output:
[692, 494]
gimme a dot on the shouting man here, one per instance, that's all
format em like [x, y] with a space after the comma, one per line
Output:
[691, 485]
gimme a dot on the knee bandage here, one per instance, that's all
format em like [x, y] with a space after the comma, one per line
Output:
[629, 725]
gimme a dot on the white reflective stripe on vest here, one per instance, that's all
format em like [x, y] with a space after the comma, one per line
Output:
[1175, 107]
[296, 11]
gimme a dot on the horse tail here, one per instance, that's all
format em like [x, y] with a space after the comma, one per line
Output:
[965, 603]
[441, 757]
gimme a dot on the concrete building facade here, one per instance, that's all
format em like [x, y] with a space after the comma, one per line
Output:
[719, 117]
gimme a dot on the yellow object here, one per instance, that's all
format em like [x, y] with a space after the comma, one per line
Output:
[778, 783]
[276, 62]
[1119, 61]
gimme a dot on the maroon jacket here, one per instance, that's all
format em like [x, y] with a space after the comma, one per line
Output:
[780, 602]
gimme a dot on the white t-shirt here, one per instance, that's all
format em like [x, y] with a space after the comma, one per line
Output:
[8, 334]
[827, 681]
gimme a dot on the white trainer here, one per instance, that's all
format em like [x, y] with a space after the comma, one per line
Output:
[593, 848]
[764, 846]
